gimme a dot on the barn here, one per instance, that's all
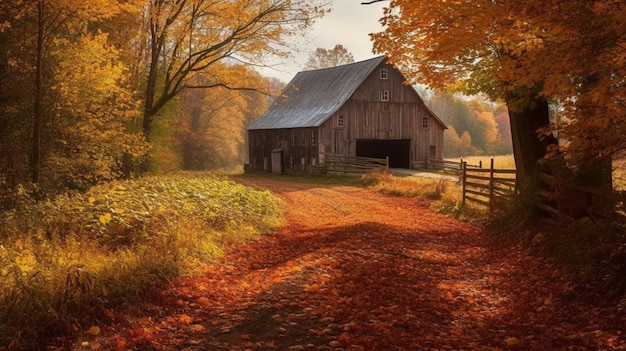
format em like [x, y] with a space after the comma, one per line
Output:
[362, 109]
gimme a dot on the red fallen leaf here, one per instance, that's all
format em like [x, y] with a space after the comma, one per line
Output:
[136, 333]
[245, 336]
[185, 319]
[345, 338]
[121, 344]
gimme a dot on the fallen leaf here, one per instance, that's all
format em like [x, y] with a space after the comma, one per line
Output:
[185, 319]
[95, 330]
[512, 341]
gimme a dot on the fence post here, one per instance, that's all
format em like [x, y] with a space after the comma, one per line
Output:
[464, 178]
[491, 186]
[386, 163]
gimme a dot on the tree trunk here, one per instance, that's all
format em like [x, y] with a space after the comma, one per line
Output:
[36, 155]
[525, 119]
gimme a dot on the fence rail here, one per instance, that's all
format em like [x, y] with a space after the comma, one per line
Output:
[486, 186]
[344, 164]
[568, 201]
[450, 167]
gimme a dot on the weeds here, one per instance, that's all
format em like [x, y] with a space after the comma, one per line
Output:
[63, 262]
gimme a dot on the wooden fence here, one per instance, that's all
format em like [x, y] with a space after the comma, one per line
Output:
[344, 164]
[486, 186]
[450, 167]
[569, 202]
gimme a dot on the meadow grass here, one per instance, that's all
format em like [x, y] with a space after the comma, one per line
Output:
[63, 262]
[500, 161]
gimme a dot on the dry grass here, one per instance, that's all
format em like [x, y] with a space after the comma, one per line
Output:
[445, 195]
[500, 162]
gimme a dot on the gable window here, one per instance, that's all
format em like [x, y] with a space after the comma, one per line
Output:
[384, 95]
[384, 73]
[340, 121]
[424, 122]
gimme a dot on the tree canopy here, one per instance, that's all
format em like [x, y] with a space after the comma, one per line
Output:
[185, 38]
[324, 58]
[570, 52]
[84, 84]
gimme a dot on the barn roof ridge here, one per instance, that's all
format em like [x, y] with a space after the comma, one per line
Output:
[313, 96]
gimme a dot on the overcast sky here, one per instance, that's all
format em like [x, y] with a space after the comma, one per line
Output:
[348, 24]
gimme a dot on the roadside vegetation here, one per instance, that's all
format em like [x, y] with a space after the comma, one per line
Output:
[64, 262]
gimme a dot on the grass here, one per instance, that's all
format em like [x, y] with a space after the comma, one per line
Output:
[64, 262]
[445, 195]
[500, 161]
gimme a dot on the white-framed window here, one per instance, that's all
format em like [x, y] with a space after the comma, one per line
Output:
[384, 95]
[384, 73]
[341, 121]
[424, 122]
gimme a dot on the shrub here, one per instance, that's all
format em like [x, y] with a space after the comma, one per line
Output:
[65, 260]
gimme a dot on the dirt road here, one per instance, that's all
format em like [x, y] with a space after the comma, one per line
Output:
[357, 270]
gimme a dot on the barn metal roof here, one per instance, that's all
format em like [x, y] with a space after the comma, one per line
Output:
[313, 96]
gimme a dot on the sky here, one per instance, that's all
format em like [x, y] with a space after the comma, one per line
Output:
[348, 24]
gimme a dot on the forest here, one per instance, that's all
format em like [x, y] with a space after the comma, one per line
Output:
[94, 91]
[120, 231]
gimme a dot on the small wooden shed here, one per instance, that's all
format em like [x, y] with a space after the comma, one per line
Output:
[361, 109]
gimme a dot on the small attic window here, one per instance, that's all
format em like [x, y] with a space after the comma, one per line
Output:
[340, 121]
[384, 73]
[424, 122]
[384, 95]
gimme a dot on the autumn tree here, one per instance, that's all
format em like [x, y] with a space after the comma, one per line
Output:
[467, 114]
[211, 122]
[73, 94]
[323, 58]
[187, 37]
[528, 53]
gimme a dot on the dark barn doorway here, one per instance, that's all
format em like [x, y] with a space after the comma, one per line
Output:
[399, 151]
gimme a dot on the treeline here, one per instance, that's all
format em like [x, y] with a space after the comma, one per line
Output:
[92, 91]
[476, 126]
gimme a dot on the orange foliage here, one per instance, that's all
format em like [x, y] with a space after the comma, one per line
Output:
[574, 50]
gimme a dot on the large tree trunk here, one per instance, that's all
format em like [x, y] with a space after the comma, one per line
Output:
[525, 119]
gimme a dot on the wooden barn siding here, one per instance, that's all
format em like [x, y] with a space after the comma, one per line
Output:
[297, 144]
[365, 117]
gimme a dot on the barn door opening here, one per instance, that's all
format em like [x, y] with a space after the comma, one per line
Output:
[398, 151]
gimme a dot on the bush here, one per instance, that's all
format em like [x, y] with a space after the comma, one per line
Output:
[65, 261]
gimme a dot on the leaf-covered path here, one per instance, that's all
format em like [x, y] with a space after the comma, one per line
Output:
[357, 270]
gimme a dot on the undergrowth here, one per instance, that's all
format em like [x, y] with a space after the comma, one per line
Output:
[594, 251]
[64, 262]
